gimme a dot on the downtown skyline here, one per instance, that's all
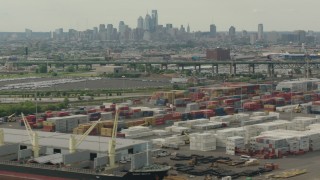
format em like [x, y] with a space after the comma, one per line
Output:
[47, 15]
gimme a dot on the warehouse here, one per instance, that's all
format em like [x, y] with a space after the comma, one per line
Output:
[53, 143]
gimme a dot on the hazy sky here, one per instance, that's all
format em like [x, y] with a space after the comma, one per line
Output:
[47, 15]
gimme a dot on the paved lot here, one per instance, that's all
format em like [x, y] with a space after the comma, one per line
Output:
[103, 83]
[309, 161]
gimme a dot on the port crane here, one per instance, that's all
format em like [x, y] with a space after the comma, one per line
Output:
[112, 142]
[74, 142]
[307, 60]
[33, 137]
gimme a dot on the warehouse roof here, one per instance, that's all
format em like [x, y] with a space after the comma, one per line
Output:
[61, 140]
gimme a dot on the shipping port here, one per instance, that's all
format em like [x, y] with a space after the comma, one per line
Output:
[226, 131]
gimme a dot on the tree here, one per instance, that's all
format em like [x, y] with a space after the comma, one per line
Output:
[54, 74]
[42, 69]
[297, 70]
[70, 69]
[66, 101]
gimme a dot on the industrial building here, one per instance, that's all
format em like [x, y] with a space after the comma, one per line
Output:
[110, 70]
[218, 54]
[50, 143]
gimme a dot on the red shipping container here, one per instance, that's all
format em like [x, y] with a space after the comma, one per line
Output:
[266, 96]
[229, 110]
[167, 117]
[256, 87]
[251, 106]
[62, 113]
[92, 110]
[160, 121]
[121, 135]
[49, 115]
[124, 108]
[208, 113]
[107, 109]
[314, 97]
[136, 110]
[316, 103]
[196, 112]
[268, 101]
[296, 93]
[31, 123]
[212, 102]
[274, 93]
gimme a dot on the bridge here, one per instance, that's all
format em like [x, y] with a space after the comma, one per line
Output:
[271, 65]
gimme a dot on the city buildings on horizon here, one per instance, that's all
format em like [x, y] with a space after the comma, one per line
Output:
[149, 29]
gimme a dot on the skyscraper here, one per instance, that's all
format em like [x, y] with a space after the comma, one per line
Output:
[300, 36]
[102, 32]
[253, 38]
[102, 28]
[182, 29]
[213, 30]
[232, 31]
[95, 32]
[140, 22]
[188, 29]
[154, 23]
[260, 32]
[147, 23]
[109, 32]
[28, 33]
[121, 27]
[169, 26]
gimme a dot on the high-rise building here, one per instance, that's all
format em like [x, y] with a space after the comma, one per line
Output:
[140, 22]
[244, 33]
[148, 23]
[272, 36]
[182, 29]
[300, 36]
[102, 28]
[155, 17]
[95, 30]
[169, 26]
[28, 33]
[95, 33]
[122, 27]
[114, 34]
[253, 38]
[58, 33]
[232, 31]
[213, 30]
[109, 32]
[188, 29]
[260, 32]
[154, 22]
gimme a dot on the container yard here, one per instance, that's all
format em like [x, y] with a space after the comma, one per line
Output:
[201, 131]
